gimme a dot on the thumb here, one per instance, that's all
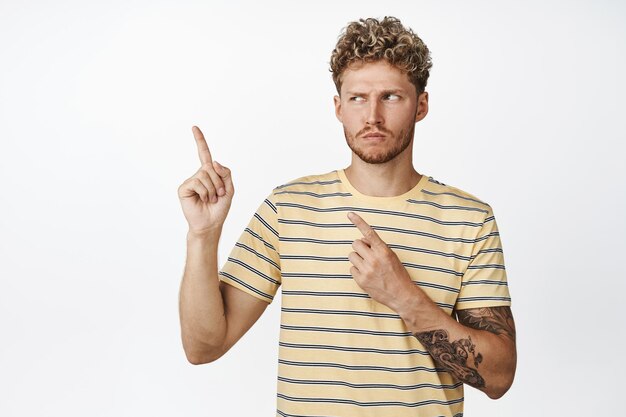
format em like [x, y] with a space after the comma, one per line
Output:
[224, 173]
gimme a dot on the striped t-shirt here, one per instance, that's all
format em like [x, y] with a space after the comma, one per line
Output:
[341, 353]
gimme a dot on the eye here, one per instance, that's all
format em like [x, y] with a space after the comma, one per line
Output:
[356, 98]
[393, 97]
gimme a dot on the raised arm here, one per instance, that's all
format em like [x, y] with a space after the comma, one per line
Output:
[212, 316]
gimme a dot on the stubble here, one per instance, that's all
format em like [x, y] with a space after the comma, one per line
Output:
[400, 143]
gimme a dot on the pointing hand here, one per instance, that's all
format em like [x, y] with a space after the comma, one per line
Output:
[376, 268]
[206, 196]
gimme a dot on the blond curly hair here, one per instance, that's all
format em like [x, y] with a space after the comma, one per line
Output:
[370, 40]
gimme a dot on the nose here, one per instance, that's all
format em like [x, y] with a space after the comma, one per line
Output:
[374, 116]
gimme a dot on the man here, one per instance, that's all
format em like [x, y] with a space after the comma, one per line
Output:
[375, 260]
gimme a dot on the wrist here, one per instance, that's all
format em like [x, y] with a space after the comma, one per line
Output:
[211, 235]
[419, 312]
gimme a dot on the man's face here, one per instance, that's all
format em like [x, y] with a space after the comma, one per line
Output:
[378, 108]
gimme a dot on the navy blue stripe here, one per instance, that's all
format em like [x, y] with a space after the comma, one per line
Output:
[442, 207]
[483, 281]
[272, 206]
[337, 194]
[349, 276]
[259, 237]
[456, 195]
[377, 211]
[383, 386]
[250, 287]
[315, 258]
[251, 269]
[319, 225]
[326, 294]
[341, 312]
[283, 414]
[368, 404]
[412, 232]
[433, 268]
[424, 234]
[312, 275]
[344, 294]
[487, 236]
[436, 286]
[431, 179]
[465, 299]
[429, 251]
[490, 266]
[266, 224]
[488, 250]
[354, 349]
[265, 258]
[340, 330]
[289, 184]
[362, 367]
[308, 240]
[391, 246]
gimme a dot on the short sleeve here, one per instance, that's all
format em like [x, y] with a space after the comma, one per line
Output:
[484, 282]
[253, 265]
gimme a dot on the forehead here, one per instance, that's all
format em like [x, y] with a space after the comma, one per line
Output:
[374, 76]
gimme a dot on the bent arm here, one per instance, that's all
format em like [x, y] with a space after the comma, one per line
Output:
[213, 315]
[479, 349]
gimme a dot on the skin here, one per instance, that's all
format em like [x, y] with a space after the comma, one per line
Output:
[213, 315]
[478, 349]
[380, 167]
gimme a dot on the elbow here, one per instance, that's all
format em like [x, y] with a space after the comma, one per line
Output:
[503, 384]
[198, 360]
[201, 353]
[504, 379]
[498, 392]
[201, 357]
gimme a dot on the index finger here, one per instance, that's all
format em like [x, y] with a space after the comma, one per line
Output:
[203, 148]
[365, 228]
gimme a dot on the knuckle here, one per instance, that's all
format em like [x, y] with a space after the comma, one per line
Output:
[210, 186]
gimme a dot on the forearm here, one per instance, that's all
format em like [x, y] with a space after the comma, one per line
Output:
[201, 307]
[485, 359]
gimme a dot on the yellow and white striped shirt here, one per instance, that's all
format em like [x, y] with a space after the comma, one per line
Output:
[341, 353]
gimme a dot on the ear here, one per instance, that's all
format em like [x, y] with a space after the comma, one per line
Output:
[422, 106]
[337, 101]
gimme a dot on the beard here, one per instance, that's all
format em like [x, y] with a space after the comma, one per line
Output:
[400, 143]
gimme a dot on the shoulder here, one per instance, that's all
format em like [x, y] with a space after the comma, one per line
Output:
[451, 196]
[308, 184]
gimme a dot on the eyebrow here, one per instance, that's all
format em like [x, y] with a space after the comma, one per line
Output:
[384, 92]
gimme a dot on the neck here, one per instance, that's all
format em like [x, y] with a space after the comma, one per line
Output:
[390, 179]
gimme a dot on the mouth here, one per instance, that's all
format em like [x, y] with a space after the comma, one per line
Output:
[374, 135]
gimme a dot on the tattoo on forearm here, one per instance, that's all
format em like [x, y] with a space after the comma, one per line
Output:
[498, 320]
[453, 356]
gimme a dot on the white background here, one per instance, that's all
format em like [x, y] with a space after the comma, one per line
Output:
[97, 100]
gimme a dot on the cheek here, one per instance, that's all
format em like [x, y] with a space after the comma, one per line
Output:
[351, 123]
